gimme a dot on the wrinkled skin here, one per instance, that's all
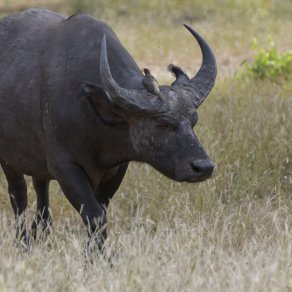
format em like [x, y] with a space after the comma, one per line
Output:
[58, 119]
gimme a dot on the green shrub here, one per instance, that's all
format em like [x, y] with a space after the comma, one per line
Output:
[269, 63]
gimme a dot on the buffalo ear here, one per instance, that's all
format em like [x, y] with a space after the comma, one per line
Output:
[101, 104]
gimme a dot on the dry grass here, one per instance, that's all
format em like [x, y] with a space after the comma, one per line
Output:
[231, 233]
[243, 248]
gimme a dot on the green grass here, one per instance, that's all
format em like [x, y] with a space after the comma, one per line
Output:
[230, 233]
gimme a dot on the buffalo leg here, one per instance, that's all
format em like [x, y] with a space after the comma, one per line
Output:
[43, 217]
[18, 197]
[76, 187]
[106, 190]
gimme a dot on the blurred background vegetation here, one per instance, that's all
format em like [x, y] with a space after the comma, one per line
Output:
[152, 30]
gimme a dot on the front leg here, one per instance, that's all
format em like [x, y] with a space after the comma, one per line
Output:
[109, 184]
[76, 187]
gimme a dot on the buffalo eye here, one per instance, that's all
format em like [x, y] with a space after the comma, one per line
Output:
[165, 126]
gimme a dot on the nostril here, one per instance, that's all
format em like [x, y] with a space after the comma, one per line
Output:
[203, 167]
[196, 166]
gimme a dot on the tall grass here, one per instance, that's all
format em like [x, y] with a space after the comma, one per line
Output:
[244, 248]
[230, 233]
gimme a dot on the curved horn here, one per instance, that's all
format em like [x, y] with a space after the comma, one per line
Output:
[127, 99]
[204, 80]
[113, 89]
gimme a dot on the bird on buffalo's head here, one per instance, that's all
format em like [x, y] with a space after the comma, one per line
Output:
[150, 83]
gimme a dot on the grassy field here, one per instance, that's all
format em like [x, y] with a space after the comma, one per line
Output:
[230, 233]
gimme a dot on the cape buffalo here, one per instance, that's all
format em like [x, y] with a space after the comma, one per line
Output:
[73, 108]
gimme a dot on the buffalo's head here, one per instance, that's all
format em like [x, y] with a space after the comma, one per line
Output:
[160, 126]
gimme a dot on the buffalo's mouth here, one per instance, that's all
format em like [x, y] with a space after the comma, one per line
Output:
[197, 179]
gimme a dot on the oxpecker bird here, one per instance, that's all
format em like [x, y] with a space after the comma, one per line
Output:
[150, 83]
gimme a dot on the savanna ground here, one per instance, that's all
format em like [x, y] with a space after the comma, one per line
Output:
[230, 233]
